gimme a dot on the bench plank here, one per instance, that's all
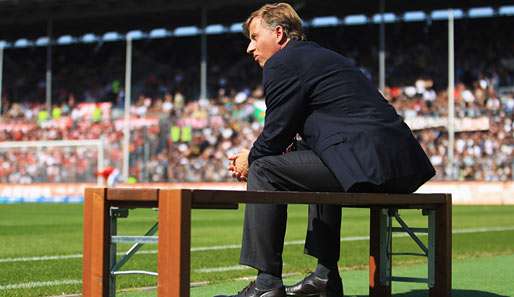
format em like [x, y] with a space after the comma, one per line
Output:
[345, 199]
[131, 194]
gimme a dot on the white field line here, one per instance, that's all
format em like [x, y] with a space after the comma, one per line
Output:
[236, 246]
[252, 278]
[59, 257]
[226, 268]
[30, 285]
[221, 269]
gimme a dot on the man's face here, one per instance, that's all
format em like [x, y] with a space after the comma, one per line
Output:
[264, 42]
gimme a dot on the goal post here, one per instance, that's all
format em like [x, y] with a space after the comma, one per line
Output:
[98, 143]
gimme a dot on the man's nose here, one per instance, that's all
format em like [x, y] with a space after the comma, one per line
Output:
[251, 47]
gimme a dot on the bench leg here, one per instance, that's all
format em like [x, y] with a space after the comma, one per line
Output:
[378, 287]
[173, 258]
[95, 281]
[113, 231]
[443, 251]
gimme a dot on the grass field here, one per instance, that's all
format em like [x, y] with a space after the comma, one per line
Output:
[41, 244]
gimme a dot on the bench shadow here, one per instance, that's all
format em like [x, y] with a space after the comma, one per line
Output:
[455, 293]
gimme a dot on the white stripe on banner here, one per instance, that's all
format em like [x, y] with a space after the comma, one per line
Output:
[236, 246]
[73, 199]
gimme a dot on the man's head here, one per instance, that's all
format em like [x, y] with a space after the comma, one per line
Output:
[270, 28]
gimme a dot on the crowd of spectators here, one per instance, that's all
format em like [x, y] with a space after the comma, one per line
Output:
[484, 145]
[192, 142]
[177, 137]
[170, 140]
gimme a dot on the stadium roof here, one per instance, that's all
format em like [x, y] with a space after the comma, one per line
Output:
[29, 18]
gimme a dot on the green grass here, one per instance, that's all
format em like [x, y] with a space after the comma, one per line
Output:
[495, 275]
[35, 230]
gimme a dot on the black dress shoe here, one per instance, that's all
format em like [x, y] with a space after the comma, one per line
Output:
[252, 291]
[314, 286]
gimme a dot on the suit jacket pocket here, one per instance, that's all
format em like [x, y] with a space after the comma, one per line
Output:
[331, 140]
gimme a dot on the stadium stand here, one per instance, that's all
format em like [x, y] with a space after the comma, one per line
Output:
[173, 129]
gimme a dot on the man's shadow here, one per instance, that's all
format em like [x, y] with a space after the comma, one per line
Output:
[455, 293]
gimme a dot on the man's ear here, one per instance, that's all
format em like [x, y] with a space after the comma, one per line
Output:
[281, 35]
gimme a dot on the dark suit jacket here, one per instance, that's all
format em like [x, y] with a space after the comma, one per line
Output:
[341, 116]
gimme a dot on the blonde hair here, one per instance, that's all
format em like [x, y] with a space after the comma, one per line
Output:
[278, 14]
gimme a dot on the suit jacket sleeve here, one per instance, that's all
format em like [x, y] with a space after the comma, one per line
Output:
[284, 111]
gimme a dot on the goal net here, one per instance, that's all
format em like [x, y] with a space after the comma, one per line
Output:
[60, 161]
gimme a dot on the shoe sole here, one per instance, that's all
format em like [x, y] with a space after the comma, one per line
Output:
[310, 295]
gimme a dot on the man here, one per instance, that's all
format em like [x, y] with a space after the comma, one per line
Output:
[352, 140]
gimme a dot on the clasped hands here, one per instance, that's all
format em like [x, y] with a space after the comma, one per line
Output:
[239, 165]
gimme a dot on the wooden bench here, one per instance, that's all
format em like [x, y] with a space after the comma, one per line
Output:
[102, 207]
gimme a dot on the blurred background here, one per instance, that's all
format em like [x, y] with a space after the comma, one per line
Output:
[195, 96]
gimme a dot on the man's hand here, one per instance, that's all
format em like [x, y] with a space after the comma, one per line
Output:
[239, 165]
